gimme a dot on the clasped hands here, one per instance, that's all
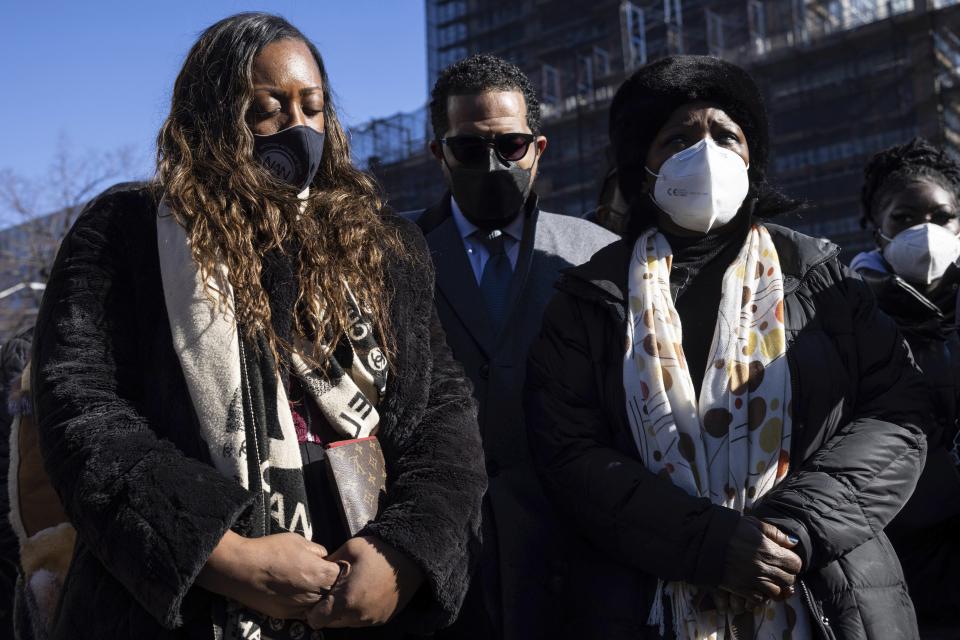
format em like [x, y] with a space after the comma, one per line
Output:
[760, 565]
[363, 583]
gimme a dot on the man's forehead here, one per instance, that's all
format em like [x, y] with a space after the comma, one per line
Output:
[487, 108]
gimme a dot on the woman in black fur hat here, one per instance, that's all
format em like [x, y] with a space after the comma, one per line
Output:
[719, 409]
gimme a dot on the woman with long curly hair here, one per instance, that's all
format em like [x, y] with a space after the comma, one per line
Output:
[207, 341]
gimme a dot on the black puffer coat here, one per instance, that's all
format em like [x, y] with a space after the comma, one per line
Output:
[926, 534]
[122, 446]
[857, 450]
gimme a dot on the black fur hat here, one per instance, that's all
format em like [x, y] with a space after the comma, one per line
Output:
[644, 102]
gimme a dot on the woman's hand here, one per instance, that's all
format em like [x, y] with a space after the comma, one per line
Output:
[378, 582]
[725, 602]
[281, 575]
[759, 563]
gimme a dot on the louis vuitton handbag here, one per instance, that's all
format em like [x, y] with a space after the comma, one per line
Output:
[359, 477]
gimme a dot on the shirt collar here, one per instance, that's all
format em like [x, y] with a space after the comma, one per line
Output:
[467, 228]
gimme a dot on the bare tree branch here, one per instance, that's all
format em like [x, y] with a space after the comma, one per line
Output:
[38, 213]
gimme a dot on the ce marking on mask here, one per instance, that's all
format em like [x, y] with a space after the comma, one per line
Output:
[679, 192]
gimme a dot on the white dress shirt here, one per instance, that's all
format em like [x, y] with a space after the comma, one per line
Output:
[477, 253]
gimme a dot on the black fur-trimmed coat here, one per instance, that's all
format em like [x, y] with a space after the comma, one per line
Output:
[122, 445]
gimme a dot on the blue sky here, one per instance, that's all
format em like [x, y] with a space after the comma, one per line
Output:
[98, 73]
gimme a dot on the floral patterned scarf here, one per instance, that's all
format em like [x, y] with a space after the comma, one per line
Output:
[732, 443]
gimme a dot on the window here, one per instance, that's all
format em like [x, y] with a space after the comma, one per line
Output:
[452, 33]
[715, 42]
[633, 29]
[550, 85]
[448, 11]
[845, 150]
[601, 61]
[758, 26]
[584, 75]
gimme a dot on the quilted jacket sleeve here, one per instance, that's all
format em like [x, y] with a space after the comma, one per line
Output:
[147, 512]
[854, 485]
[434, 456]
[611, 498]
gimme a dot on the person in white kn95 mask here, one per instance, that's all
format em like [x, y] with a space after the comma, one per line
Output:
[910, 199]
[714, 404]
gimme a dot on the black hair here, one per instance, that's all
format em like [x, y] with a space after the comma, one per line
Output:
[900, 165]
[475, 75]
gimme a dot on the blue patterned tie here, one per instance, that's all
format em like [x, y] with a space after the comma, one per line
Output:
[495, 281]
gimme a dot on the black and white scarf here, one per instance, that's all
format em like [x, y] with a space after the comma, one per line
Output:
[242, 406]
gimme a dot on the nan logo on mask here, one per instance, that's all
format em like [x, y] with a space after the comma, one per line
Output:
[292, 155]
[280, 161]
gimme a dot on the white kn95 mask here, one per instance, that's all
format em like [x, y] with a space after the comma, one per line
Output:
[701, 187]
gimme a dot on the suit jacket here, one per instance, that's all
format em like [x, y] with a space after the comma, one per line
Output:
[522, 549]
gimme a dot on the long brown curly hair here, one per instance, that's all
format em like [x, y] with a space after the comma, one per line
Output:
[235, 211]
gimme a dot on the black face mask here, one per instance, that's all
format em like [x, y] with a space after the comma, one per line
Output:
[292, 155]
[493, 196]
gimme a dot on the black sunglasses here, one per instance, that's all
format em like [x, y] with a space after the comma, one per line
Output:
[472, 150]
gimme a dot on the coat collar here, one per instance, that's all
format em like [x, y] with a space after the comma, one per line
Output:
[434, 216]
[454, 275]
[799, 254]
[604, 277]
[913, 312]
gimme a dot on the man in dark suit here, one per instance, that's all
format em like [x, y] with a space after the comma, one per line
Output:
[497, 256]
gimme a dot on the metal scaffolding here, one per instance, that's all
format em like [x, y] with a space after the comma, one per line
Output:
[842, 79]
[391, 139]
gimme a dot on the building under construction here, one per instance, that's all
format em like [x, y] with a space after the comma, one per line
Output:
[842, 78]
